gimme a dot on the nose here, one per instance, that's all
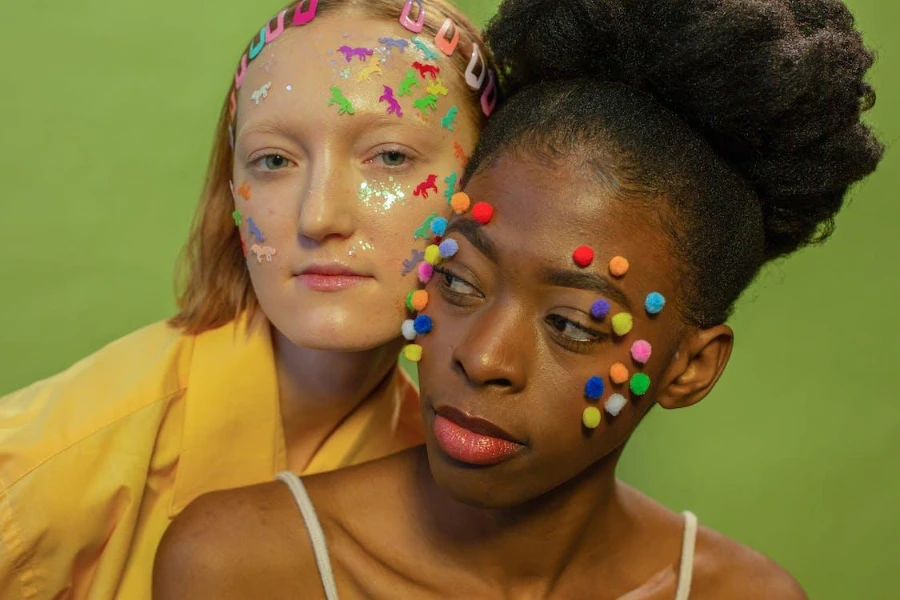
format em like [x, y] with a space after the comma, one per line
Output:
[494, 351]
[327, 207]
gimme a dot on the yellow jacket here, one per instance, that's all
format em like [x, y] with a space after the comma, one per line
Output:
[95, 461]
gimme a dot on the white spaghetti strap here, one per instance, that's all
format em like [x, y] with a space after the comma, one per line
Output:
[686, 568]
[316, 535]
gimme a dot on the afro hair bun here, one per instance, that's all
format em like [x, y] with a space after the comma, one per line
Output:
[776, 87]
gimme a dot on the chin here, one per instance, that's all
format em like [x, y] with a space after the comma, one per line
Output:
[340, 330]
[478, 487]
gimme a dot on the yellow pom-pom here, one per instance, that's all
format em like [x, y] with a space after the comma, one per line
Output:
[591, 417]
[419, 300]
[622, 323]
[413, 353]
[460, 202]
[433, 254]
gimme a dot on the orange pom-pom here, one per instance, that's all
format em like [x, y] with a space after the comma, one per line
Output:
[460, 202]
[618, 266]
[419, 300]
[618, 373]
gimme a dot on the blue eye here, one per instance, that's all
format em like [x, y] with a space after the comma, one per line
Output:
[393, 158]
[275, 162]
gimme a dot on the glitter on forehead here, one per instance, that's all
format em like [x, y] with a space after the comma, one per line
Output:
[381, 195]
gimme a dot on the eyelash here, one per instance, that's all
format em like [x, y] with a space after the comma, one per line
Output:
[254, 161]
[454, 297]
[553, 321]
[408, 160]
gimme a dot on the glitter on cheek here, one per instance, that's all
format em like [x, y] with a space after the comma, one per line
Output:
[359, 248]
[381, 196]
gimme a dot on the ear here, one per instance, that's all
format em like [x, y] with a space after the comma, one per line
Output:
[698, 364]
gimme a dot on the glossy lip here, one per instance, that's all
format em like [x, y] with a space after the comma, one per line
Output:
[471, 440]
[475, 424]
[330, 277]
[329, 269]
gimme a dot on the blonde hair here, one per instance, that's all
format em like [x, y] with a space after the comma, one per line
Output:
[211, 275]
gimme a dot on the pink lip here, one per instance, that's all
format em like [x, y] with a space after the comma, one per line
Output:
[472, 440]
[330, 277]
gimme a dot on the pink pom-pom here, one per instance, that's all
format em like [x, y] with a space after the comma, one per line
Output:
[426, 272]
[641, 350]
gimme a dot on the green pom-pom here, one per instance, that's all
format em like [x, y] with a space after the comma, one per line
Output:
[640, 383]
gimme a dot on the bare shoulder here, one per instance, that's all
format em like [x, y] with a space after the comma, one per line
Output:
[236, 544]
[724, 568]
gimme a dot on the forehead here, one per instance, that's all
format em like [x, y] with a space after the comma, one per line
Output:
[546, 211]
[334, 50]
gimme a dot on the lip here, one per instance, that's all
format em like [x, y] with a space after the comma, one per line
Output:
[330, 277]
[472, 440]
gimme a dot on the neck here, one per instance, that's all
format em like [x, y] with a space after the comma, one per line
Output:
[319, 388]
[533, 546]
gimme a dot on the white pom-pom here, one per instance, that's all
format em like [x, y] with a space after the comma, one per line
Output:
[409, 329]
[615, 404]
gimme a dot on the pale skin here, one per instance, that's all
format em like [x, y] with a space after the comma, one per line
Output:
[514, 348]
[330, 189]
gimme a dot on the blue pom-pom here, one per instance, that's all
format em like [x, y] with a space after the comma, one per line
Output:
[423, 324]
[593, 389]
[448, 248]
[439, 226]
[600, 309]
[655, 303]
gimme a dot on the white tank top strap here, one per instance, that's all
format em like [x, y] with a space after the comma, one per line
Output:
[316, 535]
[686, 566]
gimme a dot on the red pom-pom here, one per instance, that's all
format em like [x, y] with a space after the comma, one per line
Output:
[483, 212]
[583, 256]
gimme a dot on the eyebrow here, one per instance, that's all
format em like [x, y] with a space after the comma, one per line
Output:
[579, 280]
[472, 231]
[592, 282]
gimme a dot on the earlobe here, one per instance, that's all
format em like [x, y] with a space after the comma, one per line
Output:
[697, 366]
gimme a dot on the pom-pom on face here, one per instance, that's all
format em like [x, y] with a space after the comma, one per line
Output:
[426, 272]
[615, 404]
[618, 266]
[408, 329]
[460, 202]
[423, 324]
[439, 226]
[413, 353]
[640, 351]
[640, 383]
[593, 389]
[432, 254]
[654, 303]
[622, 324]
[583, 256]
[418, 301]
[448, 248]
[483, 212]
[591, 417]
[618, 373]
[600, 309]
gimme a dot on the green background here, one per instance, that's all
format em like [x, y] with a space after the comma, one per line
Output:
[108, 115]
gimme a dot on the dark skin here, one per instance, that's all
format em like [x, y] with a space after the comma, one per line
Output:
[513, 343]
